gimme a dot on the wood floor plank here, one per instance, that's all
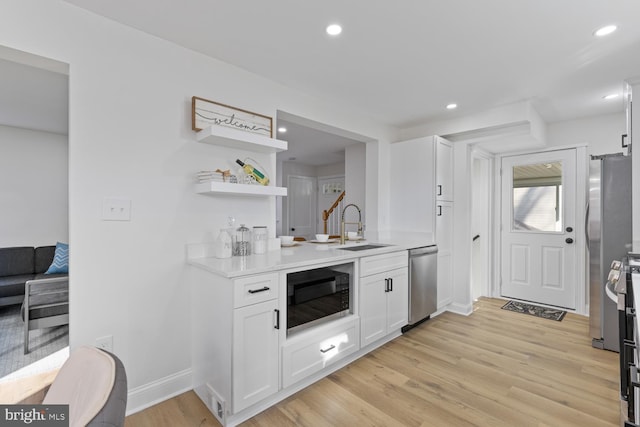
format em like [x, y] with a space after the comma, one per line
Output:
[493, 368]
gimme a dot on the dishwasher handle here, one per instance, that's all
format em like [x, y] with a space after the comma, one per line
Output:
[427, 250]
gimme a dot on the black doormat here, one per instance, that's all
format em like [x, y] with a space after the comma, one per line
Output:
[535, 310]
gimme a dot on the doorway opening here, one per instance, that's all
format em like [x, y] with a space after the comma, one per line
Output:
[321, 163]
[34, 94]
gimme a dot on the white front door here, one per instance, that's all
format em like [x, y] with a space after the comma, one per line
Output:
[301, 202]
[538, 226]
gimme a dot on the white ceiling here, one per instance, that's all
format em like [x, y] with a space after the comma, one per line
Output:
[403, 61]
[400, 62]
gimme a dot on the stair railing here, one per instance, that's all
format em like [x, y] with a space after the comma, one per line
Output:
[326, 215]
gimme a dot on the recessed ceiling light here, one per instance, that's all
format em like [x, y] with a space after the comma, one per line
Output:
[452, 106]
[334, 29]
[282, 129]
[605, 30]
[610, 96]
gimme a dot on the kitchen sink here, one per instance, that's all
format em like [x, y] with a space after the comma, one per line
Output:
[363, 247]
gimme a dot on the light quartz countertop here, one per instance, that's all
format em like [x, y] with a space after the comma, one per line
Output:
[304, 254]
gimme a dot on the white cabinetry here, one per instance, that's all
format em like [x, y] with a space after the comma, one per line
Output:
[384, 295]
[311, 351]
[444, 239]
[422, 199]
[232, 138]
[256, 324]
[444, 169]
[444, 220]
[412, 185]
[236, 344]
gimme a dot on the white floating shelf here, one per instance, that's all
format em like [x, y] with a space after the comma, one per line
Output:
[214, 188]
[229, 137]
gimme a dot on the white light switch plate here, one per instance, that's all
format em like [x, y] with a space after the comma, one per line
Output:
[116, 209]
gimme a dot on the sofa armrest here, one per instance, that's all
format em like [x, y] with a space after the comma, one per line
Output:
[46, 304]
[45, 292]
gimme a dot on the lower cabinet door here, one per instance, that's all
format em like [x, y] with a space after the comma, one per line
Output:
[305, 355]
[373, 308]
[255, 353]
[398, 299]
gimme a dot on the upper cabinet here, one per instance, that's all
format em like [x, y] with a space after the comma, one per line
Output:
[444, 169]
[232, 138]
[421, 174]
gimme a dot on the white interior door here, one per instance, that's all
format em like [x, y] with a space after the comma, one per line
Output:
[301, 203]
[538, 228]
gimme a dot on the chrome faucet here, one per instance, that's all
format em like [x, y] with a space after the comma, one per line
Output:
[342, 223]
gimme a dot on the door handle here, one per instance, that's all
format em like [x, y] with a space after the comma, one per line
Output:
[569, 229]
[439, 210]
[293, 229]
[255, 291]
[624, 136]
[324, 350]
[569, 240]
[386, 285]
[277, 325]
[439, 190]
[391, 284]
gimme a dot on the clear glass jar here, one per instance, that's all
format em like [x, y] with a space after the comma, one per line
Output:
[260, 236]
[242, 244]
[224, 244]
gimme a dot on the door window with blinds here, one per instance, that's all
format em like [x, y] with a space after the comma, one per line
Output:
[537, 197]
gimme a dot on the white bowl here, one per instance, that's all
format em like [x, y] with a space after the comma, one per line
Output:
[322, 237]
[286, 240]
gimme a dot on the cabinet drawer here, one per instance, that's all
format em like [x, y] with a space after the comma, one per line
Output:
[255, 289]
[384, 262]
[316, 351]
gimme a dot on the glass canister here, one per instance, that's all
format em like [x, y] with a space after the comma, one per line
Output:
[260, 236]
[242, 244]
[224, 244]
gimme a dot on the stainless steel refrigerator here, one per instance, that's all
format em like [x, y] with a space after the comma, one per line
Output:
[609, 236]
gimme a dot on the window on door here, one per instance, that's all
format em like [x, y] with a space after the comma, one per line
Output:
[537, 197]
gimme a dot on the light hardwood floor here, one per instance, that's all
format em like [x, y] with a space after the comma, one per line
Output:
[493, 368]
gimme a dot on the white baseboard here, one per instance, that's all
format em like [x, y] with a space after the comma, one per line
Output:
[464, 309]
[158, 391]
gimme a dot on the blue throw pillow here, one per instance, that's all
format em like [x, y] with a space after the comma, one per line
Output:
[60, 262]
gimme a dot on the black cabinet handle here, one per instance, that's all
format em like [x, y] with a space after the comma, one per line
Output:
[386, 285]
[391, 284]
[569, 229]
[331, 347]
[439, 190]
[624, 136]
[255, 291]
[569, 240]
[476, 237]
[439, 210]
[277, 325]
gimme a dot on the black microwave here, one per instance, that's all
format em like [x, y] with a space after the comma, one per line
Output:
[315, 294]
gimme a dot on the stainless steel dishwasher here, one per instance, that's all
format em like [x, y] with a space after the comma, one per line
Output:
[423, 283]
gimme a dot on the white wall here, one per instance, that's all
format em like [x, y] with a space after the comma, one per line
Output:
[355, 181]
[130, 137]
[334, 169]
[601, 133]
[33, 188]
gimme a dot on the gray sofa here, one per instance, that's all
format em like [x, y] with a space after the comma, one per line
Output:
[19, 264]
